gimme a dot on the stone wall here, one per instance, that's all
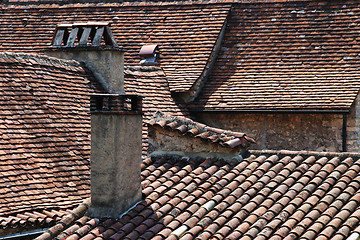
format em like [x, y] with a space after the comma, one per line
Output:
[316, 132]
[164, 141]
[353, 127]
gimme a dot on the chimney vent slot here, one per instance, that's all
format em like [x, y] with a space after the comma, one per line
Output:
[115, 103]
[73, 34]
[103, 104]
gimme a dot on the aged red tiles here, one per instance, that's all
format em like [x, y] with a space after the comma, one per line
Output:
[286, 55]
[265, 196]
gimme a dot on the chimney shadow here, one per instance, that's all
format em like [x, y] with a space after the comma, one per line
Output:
[142, 222]
[159, 204]
[146, 219]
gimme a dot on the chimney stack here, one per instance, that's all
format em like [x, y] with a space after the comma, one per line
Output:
[116, 121]
[116, 118]
[94, 44]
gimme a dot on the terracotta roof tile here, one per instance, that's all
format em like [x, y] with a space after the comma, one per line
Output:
[157, 96]
[67, 220]
[45, 129]
[184, 32]
[43, 123]
[262, 204]
[286, 55]
[222, 137]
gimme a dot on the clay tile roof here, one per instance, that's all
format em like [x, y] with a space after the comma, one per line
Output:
[44, 139]
[150, 83]
[286, 55]
[270, 195]
[67, 219]
[184, 32]
[44, 136]
[187, 126]
[30, 220]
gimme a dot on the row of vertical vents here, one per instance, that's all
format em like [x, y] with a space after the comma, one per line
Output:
[83, 34]
[93, 34]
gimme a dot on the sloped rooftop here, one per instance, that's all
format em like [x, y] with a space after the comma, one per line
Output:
[286, 55]
[30, 220]
[270, 195]
[184, 32]
[45, 127]
[150, 83]
[45, 133]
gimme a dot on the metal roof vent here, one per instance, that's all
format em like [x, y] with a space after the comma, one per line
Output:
[83, 35]
[149, 53]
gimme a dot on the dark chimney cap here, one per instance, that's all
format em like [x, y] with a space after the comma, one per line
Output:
[80, 34]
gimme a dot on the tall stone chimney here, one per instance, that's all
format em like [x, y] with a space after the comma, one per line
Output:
[116, 118]
[93, 44]
[116, 121]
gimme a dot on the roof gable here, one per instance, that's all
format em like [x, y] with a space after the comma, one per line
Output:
[150, 83]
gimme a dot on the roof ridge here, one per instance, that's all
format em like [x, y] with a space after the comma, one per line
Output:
[38, 59]
[41, 207]
[199, 130]
[158, 116]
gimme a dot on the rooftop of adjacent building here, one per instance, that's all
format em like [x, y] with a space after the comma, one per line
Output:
[310, 46]
[334, 59]
[269, 195]
[45, 136]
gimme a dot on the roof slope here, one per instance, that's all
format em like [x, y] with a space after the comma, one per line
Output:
[44, 133]
[185, 33]
[287, 55]
[150, 83]
[30, 220]
[270, 195]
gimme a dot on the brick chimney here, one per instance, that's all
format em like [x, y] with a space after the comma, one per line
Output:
[116, 121]
[116, 118]
[92, 43]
